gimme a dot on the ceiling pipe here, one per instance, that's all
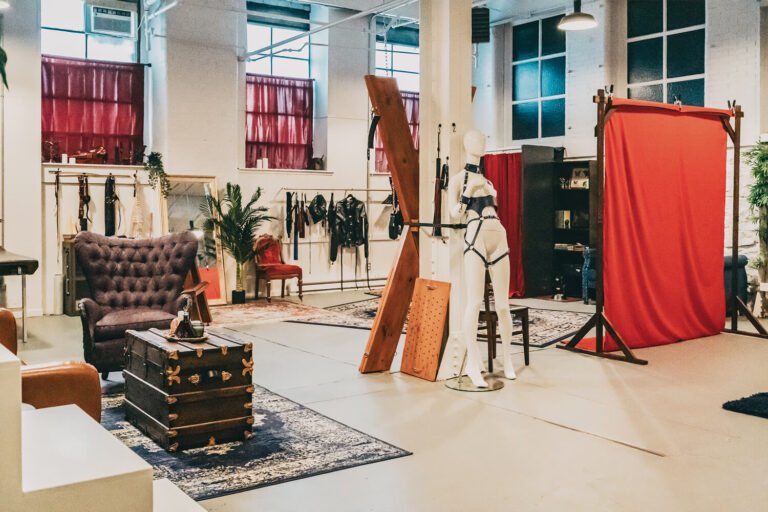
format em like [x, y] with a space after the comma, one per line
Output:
[285, 17]
[376, 10]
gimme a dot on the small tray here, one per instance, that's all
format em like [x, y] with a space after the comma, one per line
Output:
[188, 340]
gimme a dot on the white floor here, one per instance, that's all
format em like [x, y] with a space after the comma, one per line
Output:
[572, 433]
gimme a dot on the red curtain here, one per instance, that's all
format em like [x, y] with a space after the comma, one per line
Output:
[664, 223]
[278, 121]
[411, 104]
[87, 104]
[505, 172]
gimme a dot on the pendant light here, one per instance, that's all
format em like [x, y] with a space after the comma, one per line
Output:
[577, 20]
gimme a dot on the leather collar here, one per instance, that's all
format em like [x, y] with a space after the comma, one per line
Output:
[473, 168]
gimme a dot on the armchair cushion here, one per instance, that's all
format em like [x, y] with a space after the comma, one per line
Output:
[51, 385]
[116, 322]
[279, 270]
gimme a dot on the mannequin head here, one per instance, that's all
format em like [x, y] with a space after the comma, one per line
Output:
[474, 145]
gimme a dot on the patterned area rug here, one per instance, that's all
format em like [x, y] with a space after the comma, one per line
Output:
[289, 442]
[261, 312]
[546, 326]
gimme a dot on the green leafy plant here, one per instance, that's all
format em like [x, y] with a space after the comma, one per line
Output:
[237, 224]
[757, 159]
[157, 177]
[3, 62]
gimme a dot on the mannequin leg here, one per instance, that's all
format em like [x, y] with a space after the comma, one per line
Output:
[474, 274]
[500, 282]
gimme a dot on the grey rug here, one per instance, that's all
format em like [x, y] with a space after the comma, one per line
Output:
[546, 326]
[289, 442]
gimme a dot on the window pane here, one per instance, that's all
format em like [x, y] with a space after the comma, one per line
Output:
[118, 49]
[644, 61]
[690, 92]
[259, 67]
[406, 62]
[525, 81]
[290, 67]
[66, 14]
[685, 13]
[299, 48]
[644, 17]
[383, 72]
[525, 120]
[258, 37]
[525, 41]
[646, 92]
[552, 39]
[553, 118]
[64, 44]
[407, 81]
[685, 54]
[553, 76]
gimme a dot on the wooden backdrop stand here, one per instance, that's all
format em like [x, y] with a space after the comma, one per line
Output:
[599, 321]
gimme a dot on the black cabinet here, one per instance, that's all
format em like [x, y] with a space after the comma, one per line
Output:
[75, 285]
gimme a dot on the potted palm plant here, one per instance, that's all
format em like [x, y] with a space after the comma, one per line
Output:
[757, 158]
[3, 61]
[237, 224]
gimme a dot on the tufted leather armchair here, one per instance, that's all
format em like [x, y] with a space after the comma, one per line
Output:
[134, 284]
[53, 384]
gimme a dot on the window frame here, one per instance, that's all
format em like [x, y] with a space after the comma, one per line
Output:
[539, 98]
[280, 53]
[390, 69]
[664, 35]
[87, 35]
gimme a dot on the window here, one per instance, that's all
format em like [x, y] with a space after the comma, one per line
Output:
[399, 61]
[538, 79]
[288, 60]
[666, 50]
[278, 118]
[64, 34]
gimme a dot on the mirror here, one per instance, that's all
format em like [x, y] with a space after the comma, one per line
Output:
[181, 212]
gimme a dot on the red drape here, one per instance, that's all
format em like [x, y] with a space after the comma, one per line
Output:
[86, 104]
[663, 223]
[505, 172]
[278, 121]
[411, 104]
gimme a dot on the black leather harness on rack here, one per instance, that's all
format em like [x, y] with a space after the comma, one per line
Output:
[477, 205]
[85, 200]
[110, 203]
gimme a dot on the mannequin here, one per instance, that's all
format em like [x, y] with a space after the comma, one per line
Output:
[471, 197]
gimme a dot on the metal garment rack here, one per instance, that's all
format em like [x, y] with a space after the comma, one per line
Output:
[599, 321]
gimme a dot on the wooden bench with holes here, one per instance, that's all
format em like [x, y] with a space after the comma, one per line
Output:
[189, 394]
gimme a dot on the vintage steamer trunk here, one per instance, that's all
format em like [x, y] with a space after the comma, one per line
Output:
[186, 395]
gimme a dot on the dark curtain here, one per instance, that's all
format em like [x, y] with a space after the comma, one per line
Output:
[278, 121]
[665, 169]
[411, 104]
[505, 172]
[87, 104]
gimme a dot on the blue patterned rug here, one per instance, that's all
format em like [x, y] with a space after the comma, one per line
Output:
[289, 442]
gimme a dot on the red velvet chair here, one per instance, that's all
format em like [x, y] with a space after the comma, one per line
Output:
[270, 266]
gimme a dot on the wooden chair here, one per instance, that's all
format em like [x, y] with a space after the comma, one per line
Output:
[491, 319]
[270, 265]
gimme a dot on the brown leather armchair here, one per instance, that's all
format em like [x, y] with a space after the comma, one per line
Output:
[53, 384]
[134, 284]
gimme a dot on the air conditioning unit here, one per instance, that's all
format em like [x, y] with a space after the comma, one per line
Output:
[112, 18]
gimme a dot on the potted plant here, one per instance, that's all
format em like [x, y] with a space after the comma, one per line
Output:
[757, 158]
[237, 224]
[156, 173]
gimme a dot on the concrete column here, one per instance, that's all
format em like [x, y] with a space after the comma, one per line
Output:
[445, 98]
[22, 176]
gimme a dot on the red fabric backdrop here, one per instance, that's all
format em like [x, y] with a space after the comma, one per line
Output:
[86, 104]
[505, 172]
[664, 223]
[278, 118]
[411, 104]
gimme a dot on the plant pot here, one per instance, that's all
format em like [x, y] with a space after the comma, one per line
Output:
[238, 297]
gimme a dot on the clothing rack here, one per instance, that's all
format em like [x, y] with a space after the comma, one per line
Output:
[73, 174]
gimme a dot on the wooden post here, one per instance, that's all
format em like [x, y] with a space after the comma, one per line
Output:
[403, 162]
